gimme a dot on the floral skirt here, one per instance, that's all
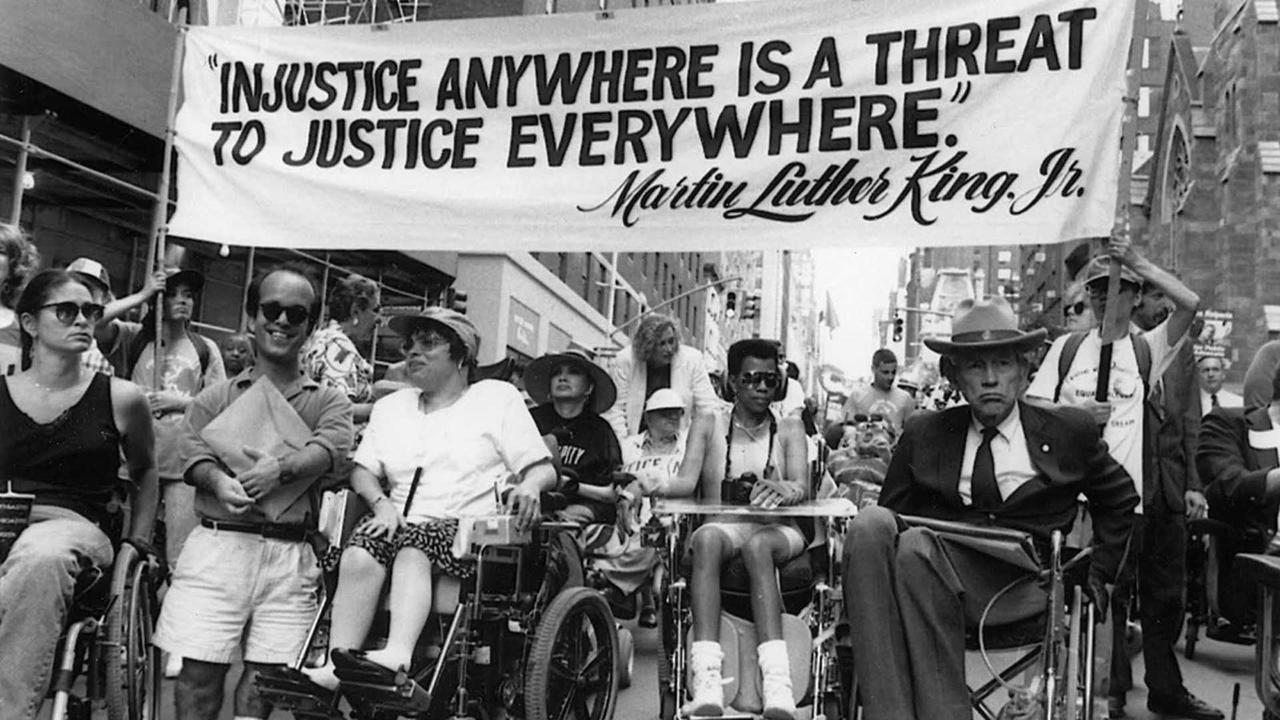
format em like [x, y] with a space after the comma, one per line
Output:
[434, 538]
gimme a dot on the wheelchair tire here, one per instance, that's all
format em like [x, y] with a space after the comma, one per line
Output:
[133, 668]
[571, 672]
[626, 658]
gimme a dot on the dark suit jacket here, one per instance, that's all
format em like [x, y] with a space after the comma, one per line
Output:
[1236, 472]
[1064, 445]
[1173, 448]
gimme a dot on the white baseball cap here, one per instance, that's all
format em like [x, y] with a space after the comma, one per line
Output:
[664, 399]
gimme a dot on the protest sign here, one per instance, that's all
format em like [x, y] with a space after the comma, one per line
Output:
[1215, 335]
[747, 125]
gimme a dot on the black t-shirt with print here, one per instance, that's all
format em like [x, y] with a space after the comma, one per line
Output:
[588, 446]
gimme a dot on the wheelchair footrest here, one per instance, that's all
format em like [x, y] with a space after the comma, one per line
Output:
[288, 689]
[376, 690]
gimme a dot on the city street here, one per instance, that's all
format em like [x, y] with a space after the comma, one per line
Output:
[1212, 675]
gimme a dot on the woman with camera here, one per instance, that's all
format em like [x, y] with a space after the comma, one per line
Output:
[747, 457]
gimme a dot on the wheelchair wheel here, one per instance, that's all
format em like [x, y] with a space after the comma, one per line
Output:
[626, 658]
[133, 668]
[571, 672]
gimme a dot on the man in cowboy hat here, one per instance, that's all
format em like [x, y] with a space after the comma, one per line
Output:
[998, 462]
[571, 392]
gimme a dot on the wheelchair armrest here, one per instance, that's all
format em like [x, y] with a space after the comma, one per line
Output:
[1263, 569]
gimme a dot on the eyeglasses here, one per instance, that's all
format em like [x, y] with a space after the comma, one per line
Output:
[428, 341]
[68, 311]
[1074, 309]
[295, 314]
[769, 379]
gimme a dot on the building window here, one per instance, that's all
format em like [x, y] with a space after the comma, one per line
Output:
[1146, 53]
[1144, 101]
[1178, 184]
[562, 270]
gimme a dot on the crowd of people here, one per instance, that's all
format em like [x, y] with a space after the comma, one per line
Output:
[236, 440]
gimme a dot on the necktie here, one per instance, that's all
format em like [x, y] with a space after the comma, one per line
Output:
[1213, 399]
[983, 488]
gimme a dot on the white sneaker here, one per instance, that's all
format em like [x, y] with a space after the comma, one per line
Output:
[706, 685]
[779, 700]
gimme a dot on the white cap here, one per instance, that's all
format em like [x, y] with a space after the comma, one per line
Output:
[664, 399]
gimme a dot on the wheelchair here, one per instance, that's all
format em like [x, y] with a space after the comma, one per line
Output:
[521, 638]
[1211, 549]
[107, 636]
[811, 607]
[1058, 648]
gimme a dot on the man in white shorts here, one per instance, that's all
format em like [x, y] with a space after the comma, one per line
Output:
[247, 580]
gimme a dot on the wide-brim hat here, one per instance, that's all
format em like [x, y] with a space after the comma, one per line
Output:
[178, 270]
[985, 325]
[452, 320]
[537, 378]
[1099, 267]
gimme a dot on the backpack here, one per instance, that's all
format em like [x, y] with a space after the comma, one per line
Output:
[1141, 351]
[139, 344]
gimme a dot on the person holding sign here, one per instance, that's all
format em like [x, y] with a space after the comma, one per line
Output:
[64, 430]
[254, 447]
[1128, 409]
[997, 462]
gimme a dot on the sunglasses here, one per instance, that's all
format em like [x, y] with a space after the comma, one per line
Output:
[67, 311]
[1074, 309]
[295, 314]
[769, 379]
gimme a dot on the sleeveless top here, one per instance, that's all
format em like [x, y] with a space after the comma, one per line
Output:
[72, 462]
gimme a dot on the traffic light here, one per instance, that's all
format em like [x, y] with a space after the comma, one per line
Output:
[731, 304]
[455, 299]
[897, 328]
[751, 307]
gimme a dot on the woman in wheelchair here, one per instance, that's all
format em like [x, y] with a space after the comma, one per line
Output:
[64, 430]
[444, 448]
[746, 457]
[571, 392]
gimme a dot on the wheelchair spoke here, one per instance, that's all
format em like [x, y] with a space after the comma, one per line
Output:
[592, 666]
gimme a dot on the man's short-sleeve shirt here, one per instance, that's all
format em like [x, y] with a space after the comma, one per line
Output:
[1124, 431]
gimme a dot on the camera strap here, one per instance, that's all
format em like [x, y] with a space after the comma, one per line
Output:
[728, 445]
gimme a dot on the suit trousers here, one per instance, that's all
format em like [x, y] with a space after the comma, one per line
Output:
[1156, 571]
[909, 596]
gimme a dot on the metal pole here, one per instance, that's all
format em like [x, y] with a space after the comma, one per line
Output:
[668, 301]
[39, 152]
[613, 286]
[20, 171]
[248, 280]
[160, 220]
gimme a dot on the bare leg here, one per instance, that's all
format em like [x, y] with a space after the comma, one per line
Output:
[249, 704]
[198, 694]
[410, 606]
[763, 553]
[355, 602]
[710, 550]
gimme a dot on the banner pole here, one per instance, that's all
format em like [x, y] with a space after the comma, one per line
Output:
[1112, 327]
[160, 219]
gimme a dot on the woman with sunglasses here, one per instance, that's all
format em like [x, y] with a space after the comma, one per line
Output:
[64, 430]
[444, 449]
[332, 356]
[746, 457]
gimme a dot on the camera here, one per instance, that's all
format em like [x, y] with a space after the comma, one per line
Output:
[737, 491]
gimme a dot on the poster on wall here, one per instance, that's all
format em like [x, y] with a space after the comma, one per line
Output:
[745, 125]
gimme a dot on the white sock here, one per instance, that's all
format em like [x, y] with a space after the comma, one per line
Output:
[705, 648]
[773, 656]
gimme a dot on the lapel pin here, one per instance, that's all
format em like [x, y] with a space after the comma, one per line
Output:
[1044, 448]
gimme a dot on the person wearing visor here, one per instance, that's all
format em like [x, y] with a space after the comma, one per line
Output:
[571, 392]
[1151, 450]
[445, 448]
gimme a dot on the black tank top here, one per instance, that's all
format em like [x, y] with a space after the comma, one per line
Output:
[72, 462]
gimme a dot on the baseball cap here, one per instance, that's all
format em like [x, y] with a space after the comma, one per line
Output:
[1100, 267]
[664, 399]
[453, 320]
[91, 270]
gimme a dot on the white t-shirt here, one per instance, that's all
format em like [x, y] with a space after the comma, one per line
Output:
[792, 403]
[466, 450]
[1123, 432]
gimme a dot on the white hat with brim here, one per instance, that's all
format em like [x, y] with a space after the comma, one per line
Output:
[985, 325]
[537, 378]
[664, 399]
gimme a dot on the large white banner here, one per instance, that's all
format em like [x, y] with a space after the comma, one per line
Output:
[747, 125]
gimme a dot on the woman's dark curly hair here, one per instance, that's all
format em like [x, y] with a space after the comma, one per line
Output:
[23, 261]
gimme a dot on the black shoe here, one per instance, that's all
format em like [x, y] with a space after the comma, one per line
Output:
[1183, 706]
[1115, 708]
